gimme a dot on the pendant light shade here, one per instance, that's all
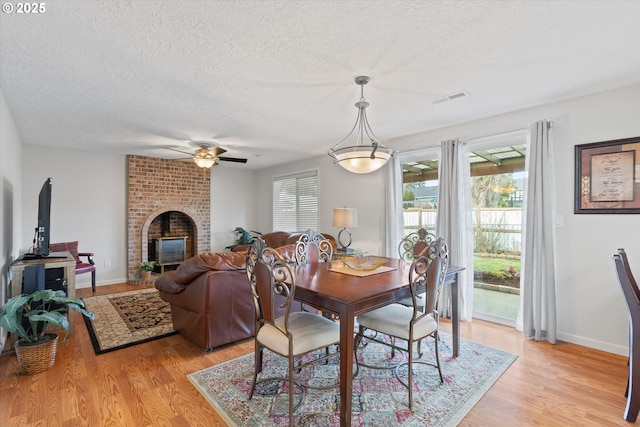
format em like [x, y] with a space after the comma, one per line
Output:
[361, 151]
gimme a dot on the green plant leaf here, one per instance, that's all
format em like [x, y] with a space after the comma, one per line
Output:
[36, 309]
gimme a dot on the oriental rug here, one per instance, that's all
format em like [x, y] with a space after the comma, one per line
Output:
[378, 397]
[127, 318]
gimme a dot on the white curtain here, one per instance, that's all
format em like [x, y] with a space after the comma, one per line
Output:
[454, 222]
[394, 221]
[537, 317]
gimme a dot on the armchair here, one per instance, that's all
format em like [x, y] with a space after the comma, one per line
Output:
[81, 267]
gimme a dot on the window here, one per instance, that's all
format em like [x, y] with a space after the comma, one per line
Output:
[295, 202]
[497, 166]
[419, 190]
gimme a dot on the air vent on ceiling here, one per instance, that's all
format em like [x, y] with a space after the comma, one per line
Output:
[451, 97]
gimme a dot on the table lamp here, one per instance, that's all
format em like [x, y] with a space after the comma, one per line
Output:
[345, 218]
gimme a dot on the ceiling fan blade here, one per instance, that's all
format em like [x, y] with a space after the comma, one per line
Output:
[232, 159]
[179, 151]
[216, 151]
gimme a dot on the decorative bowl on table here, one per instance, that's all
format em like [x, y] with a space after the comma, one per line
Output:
[364, 263]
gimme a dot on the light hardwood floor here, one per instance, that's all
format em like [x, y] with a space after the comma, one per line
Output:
[146, 385]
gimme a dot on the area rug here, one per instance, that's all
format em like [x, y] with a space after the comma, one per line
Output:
[127, 318]
[378, 397]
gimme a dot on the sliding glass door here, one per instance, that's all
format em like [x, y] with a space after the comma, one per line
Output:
[496, 165]
[497, 188]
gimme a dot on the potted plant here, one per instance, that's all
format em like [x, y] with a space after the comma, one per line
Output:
[146, 267]
[28, 316]
[244, 237]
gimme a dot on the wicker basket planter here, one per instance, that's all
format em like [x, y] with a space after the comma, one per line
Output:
[34, 358]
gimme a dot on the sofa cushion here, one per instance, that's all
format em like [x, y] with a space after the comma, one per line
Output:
[287, 252]
[221, 261]
[274, 239]
[166, 283]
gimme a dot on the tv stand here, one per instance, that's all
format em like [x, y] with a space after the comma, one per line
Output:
[54, 260]
[30, 257]
[52, 255]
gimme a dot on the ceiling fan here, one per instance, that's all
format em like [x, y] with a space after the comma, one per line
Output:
[207, 155]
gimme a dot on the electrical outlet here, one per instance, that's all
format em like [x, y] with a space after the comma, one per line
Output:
[107, 263]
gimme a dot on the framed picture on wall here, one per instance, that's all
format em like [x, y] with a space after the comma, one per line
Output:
[608, 177]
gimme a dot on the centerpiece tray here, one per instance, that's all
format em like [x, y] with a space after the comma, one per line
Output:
[361, 266]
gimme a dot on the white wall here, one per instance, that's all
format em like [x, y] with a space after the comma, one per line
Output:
[591, 308]
[88, 204]
[10, 200]
[338, 188]
[232, 204]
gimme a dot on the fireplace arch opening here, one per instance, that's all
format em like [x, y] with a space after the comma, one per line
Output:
[171, 239]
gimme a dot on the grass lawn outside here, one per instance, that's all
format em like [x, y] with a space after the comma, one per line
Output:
[497, 270]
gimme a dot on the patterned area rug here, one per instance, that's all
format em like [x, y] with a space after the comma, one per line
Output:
[127, 318]
[378, 397]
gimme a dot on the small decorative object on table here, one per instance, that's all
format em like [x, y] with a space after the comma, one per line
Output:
[28, 316]
[364, 263]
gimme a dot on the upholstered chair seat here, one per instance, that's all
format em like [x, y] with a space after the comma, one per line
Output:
[410, 323]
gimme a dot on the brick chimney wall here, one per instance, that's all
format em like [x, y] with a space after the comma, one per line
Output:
[156, 186]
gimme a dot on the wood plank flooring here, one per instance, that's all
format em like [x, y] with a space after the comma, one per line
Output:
[146, 385]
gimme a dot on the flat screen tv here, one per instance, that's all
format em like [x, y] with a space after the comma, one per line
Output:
[41, 247]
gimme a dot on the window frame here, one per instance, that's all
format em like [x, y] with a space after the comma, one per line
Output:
[304, 217]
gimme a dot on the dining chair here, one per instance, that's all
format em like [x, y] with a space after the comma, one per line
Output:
[415, 243]
[312, 248]
[412, 246]
[291, 335]
[409, 324]
[631, 294]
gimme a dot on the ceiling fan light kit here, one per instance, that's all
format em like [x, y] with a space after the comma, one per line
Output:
[367, 153]
[207, 156]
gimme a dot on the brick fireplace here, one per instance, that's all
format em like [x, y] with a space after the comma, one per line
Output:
[166, 198]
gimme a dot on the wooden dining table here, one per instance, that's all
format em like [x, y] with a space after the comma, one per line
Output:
[348, 296]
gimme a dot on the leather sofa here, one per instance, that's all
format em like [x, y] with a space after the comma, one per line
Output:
[210, 298]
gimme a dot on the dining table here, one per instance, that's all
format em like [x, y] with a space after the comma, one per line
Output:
[333, 288]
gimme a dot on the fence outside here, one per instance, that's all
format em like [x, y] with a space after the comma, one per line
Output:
[496, 230]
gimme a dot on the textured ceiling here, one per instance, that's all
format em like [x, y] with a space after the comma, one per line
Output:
[273, 80]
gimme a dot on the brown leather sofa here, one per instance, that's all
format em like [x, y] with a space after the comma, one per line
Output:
[210, 297]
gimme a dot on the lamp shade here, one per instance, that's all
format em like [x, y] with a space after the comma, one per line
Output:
[345, 218]
[204, 162]
[359, 159]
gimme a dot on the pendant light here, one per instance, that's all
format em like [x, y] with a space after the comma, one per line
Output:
[361, 151]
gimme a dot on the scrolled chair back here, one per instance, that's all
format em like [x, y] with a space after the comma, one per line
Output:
[414, 244]
[427, 274]
[313, 247]
[272, 284]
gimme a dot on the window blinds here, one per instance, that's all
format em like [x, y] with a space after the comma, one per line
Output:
[295, 202]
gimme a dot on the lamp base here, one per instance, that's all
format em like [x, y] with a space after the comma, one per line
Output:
[345, 250]
[342, 232]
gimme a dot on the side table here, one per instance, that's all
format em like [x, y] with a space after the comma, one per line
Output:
[58, 260]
